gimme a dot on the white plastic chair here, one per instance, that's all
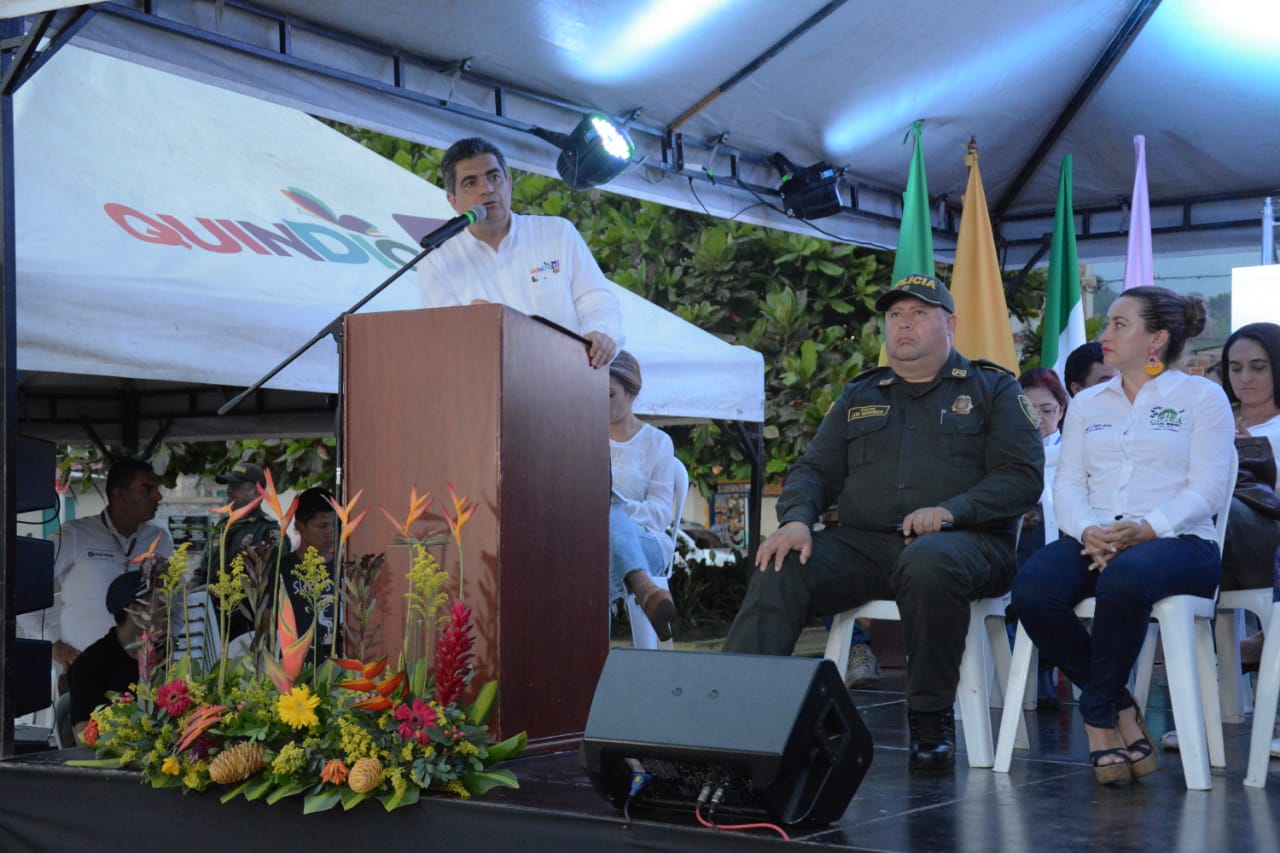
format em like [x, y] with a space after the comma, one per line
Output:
[1264, 706]
[973, 694]
[1228, 629]
[1190, 666]
[195, 630]
[642, 634]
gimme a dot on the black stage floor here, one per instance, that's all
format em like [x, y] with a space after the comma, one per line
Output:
[1048, 802]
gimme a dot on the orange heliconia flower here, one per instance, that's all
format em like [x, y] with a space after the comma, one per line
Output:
[150, 552]
[272, 497]
[334, 772]
[344, 515]
[463, 515]
[418, 505]
[234, 514]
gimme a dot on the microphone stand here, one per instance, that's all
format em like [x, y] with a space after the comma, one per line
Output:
[335, 328]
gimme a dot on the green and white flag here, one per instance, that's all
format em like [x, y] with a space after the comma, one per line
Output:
[1063, 312]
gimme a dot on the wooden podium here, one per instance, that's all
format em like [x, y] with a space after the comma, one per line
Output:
[506, 408]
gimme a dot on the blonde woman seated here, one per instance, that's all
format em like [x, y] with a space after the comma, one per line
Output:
[1145, 464]
[640, 505]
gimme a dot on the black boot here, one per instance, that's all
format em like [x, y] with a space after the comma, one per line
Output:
[933, 740]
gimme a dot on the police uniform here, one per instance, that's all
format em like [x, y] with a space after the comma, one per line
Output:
[967, 441]
[253, 529]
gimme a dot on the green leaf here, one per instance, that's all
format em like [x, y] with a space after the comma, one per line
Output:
[98, 763]
[833, 270]
[482, 707]
[228, 796]
[406, 798]
[283, 791]
[351, 799]
[259, 790]
[323, 800]
[512, 746]
[479, 782]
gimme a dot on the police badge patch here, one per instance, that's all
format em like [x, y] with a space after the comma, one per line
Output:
[1029, 410]
[962, 405]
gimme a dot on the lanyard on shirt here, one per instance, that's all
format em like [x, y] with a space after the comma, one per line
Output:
[120, 543]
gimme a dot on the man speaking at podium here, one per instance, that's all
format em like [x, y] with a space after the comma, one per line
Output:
[539, 265]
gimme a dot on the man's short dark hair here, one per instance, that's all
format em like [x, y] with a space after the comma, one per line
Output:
[1080, 362]
[123, 472]
[465, 149]
[312, 502]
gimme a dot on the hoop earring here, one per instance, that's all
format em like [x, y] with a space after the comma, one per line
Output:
[1154, 365]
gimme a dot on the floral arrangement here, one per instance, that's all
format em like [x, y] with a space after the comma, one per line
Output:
[273, 723]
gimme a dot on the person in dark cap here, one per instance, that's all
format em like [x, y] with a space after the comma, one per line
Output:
[931, 461]
[111, 663]
[242, 481]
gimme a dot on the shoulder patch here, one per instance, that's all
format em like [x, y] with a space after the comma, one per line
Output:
[959, 373]
[991, 365]
[1028, 409]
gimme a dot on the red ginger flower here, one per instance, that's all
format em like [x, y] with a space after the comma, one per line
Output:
[415, 719]
[90, 733]
[173, 697]
[453, 655]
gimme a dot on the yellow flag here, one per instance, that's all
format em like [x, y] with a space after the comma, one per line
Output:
[982, 317]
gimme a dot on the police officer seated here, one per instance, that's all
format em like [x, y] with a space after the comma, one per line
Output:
[930, 460]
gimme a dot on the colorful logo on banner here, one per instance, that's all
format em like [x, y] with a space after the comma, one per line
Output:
[342, 239]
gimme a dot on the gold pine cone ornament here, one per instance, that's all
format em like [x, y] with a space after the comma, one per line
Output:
[237, 763]
[365, 775]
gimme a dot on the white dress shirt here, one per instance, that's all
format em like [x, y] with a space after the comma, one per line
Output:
[1166, 457]
[644, 477]
[542, 267]
[90, 554]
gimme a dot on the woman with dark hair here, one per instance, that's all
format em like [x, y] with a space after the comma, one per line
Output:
[1251, 379]
[643, 465]
[1039, 525]
[1145, 465]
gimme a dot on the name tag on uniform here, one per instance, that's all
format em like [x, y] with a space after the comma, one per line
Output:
[858, 412]
[95, 554]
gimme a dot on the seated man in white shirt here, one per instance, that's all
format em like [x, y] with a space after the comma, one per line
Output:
[92, 551]
[539, 265]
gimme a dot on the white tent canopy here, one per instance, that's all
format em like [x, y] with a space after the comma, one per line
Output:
[172, 232]
[719, 86]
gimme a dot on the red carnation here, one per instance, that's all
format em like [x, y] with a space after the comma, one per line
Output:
[173, 697]
[453, 655]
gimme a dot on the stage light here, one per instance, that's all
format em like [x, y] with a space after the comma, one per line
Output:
[595, 153]
[809, 192]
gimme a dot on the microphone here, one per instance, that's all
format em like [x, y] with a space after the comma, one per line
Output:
[453, 226]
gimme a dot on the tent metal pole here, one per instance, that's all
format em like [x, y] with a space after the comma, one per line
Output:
[1268, 232]
[9, 29]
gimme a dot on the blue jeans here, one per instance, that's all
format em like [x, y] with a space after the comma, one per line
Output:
[1057, 578]
[631, 548]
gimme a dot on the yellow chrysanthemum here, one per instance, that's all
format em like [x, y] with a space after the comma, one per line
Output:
[171, 767]
[297, 708]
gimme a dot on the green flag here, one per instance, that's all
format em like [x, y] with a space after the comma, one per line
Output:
[1063, 328]
[915, 237]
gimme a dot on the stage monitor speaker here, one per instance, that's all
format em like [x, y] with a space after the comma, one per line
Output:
[757, 736]
[37, 469]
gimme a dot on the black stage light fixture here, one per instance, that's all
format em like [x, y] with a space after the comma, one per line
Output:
[748, 736]
[595, 152]
[808, 192]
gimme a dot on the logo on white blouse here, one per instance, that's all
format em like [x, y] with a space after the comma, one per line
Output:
[1165, 418]
[540, 272]
[102, 555]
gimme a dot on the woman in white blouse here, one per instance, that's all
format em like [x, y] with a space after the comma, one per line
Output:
[640, 504]
[1251, 378]
[1145, 464]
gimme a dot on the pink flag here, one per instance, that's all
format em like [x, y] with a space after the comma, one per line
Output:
[1138, 269]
